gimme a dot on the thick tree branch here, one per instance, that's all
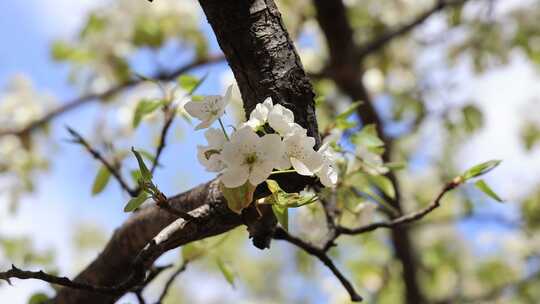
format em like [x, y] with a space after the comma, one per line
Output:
[265, 63]
[82, 100]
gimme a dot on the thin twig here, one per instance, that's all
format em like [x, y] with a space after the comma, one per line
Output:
[169, 111]
[281, 234]
[77, 138]
[168, 285]
[15, 272]
[415, 216]
[381, 40]
[79, 101]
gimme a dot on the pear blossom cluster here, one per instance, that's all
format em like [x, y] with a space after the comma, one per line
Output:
[268, 142]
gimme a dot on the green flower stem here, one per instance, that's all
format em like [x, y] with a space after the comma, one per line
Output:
[283, 171]
[223, 129]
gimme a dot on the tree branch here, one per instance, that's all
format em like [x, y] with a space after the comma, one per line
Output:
[382, 40]
[265, 63]
[77, 138]
[323, 257]
[406, 219]
[82, 100]
[171, 279]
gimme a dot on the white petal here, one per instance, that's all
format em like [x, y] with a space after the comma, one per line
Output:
[260, 172]
[231, 154]
[328, 176]
[271, 148]
[195, 109]
[234, 177]
[215, 137]
[314, 161]
[300, 167]
[228, 94]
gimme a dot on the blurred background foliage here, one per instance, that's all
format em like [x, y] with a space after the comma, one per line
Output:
[415, 82]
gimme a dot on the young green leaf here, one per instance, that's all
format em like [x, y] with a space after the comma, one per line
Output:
[188, 82]
[227, 271]
[145, 107]
[38, 298]
[384, 184]
[145, 173]
[483, 186]
[368, 137]
[238, 198]
[193, 251]
[101, 180]
[282, 215]
[480, 169]
[136, 202]
[349, 111]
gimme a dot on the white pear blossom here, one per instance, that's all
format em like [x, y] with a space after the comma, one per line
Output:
[299, 154]
[327, 173]
[209, 109]
[210, 156]
[281, 120]
[259, 115]
[249, 157]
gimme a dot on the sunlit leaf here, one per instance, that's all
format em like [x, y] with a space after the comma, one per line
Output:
[483, 186]
[38, 298]
[349, 111]
[480, 169]
[145, 107]
[193, 251]
[188, 82]
[238, 198]
[368, 137]
[282, 215]
[384, 184]
[145, 173]
[101, 180]
[136, 202]
[226, 270]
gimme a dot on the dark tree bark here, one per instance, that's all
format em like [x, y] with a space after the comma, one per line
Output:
[345, 68]
[265, 63]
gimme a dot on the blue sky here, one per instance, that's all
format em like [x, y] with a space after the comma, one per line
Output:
[63, 199]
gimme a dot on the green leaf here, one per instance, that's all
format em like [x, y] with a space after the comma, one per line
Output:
[193, 251]
[483, 186]
[368, 137]
[188, 82]
[349, 111]
[384, 184]
[282, 215]
[396, 165]
[101, 180]
[145, 107]
[480, 169]
[145, 173]
[136, 202]
[38, 298]
[136, 175]
[284, 199]
[226, 270]
[238, 198]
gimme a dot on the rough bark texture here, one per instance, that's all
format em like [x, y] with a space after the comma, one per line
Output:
[262, 56]
[265, 63]
[114, 265]
[346, 70]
